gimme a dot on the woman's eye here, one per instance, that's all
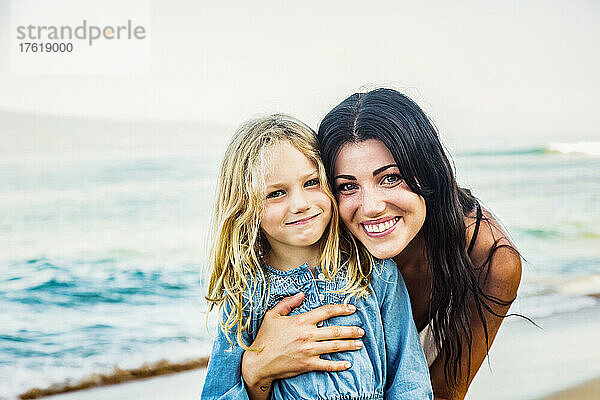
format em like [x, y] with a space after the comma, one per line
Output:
[346, 187]
[275, 194]
[391, 179]
[311, 182]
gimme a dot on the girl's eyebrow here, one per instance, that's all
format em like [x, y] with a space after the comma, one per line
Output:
[311, 174]
[375, 173]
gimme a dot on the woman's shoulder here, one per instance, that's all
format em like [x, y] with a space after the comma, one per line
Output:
[494, 255]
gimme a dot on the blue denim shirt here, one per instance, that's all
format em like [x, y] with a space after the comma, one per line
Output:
[390, 365]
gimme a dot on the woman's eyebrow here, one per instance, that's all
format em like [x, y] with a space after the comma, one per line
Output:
[380, 170]
[349, 177]
[375, 173]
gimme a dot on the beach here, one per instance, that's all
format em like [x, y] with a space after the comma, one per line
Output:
[104, 260]
[181, 386]
[110, 247]
[556, 361]
[527, 362]
[586, 391]
[109, 169]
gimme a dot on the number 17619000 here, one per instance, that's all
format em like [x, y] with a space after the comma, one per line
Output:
[46, 47]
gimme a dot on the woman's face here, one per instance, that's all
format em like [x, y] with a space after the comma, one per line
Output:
[375, 203]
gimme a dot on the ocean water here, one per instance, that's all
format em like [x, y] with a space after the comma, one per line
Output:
[102, 251]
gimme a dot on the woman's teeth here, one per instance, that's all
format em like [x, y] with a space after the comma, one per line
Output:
[376, 228]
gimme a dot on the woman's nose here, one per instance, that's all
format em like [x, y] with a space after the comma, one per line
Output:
[372, 204]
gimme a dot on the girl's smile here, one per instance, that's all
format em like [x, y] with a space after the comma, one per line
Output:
[296, 210]
[303, 220]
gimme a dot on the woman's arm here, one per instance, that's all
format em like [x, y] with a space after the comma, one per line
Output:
[500, 279]
[288, 346]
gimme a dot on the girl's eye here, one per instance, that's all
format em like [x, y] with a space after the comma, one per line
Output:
[346, 187]
[275, 194]
[391, 179]
[311, 182]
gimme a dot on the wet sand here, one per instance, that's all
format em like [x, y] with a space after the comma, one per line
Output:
[527, 362]
[587, 391]
[180, 386]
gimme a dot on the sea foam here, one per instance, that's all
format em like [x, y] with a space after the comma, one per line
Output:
[589, 148]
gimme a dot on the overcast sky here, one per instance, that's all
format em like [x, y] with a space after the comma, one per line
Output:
[477, 67]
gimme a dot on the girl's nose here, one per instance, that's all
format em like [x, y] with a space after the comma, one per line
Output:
[372, 204]
[300, 202]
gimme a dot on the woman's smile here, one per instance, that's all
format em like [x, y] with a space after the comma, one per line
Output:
[380, 227]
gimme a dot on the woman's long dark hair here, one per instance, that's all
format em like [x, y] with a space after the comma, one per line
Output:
[395, 120]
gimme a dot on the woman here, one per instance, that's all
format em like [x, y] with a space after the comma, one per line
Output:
[398, 197]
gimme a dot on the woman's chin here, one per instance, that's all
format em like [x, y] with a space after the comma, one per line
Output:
[383, 252]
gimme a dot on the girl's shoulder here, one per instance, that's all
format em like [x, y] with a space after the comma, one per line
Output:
[493, 254]
[385, 268]
[384, 273]
[253, 297]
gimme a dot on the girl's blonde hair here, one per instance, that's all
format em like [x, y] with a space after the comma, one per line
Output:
[235, 263]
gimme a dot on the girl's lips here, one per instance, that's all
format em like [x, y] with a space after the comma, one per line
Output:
[380, 227]
[303, 220]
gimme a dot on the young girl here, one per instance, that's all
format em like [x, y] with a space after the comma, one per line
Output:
[276, 235]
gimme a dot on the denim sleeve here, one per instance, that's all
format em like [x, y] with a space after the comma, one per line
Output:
[224, 375]
[407, 371]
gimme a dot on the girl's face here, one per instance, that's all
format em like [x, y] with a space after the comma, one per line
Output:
[296, 209]
[375, 203]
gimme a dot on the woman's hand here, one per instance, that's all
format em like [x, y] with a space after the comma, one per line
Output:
[288, 346]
